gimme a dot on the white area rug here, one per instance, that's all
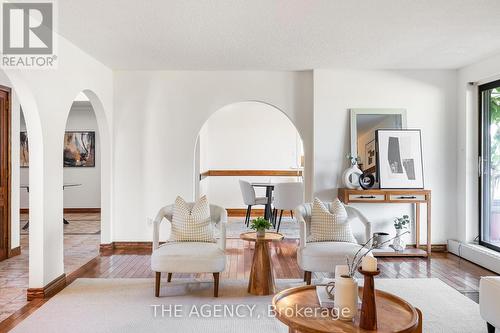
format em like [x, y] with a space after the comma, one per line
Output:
[127, 305]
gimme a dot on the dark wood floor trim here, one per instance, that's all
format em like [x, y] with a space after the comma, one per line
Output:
[49, 290]
[80, 271]
[125, 248]
[83, 210]
[106, 249]
[15, 252]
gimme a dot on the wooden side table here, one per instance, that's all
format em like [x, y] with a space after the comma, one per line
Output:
[415, 196]
[394, 314]
[261, 280]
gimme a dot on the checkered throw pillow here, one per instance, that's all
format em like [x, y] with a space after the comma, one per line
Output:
[330, 226]
[192, 224]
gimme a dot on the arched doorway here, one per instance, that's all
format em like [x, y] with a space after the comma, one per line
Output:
[81, 184]
[249, 140]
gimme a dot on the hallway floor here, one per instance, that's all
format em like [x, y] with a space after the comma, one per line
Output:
[79, 248]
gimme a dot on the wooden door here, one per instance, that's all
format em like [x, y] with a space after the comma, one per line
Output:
[5, 100]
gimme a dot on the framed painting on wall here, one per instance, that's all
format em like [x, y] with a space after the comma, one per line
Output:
[399, 158]
[370, 159]
[23, 151]
[79, 149]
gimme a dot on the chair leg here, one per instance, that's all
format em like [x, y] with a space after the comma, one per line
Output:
[273, 218]
[279, 222]
[169, 277]
[249, 214]
[307, 277]
[491, 328]
[216, 284]
[157, 284]
[291, 213]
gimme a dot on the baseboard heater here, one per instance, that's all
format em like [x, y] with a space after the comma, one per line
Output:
[477, 254]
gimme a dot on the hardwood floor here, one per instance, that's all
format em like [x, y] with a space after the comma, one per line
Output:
[454, 271]
[79, 248]
[460, 274]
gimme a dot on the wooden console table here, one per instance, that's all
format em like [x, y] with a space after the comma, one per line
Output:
[416, 197]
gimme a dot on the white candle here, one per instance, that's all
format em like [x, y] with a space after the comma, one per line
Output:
[341, 270]
[369, 264]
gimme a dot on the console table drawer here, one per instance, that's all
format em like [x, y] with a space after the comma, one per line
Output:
[366, 197]
[407, 197]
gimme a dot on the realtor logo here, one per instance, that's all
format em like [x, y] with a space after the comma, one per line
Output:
[27, 35]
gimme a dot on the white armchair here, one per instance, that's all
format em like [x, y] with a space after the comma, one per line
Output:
[189, 257]
[324, 256]
[489, 301]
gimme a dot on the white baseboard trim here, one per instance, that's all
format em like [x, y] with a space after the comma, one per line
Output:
[478, 254]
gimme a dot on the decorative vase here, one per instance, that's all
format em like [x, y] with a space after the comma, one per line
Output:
[346, 297]
[398, 244]
[261, 233]
[350, 177]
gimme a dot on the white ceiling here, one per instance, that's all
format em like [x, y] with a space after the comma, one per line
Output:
[282, 35]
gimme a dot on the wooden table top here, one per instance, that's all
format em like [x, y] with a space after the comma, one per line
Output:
[394, 314]
[270, 236]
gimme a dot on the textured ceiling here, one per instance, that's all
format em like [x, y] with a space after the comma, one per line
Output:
[282, 35]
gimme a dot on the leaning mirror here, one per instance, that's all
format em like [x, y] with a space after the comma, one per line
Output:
[364, 123]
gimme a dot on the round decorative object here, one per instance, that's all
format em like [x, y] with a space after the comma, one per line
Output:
[366, 180]
[378, 239]
[350, 177]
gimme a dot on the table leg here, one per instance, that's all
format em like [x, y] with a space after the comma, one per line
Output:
[269, 195]
[417, 225]
[261, 275]
[429, 225]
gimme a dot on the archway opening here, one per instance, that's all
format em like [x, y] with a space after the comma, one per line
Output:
[251, 141]
[81, 184]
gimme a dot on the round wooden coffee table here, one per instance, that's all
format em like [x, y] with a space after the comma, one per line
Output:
[261, 275]
[393, 313]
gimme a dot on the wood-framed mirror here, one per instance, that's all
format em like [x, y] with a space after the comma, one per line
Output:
[364, 123]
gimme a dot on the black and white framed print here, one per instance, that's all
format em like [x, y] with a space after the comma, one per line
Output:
[399, 158]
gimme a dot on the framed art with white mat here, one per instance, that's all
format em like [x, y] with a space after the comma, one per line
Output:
[399, 158]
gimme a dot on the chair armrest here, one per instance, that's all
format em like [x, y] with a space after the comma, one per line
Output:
[300, 211]
[222, 229]
[165, 212]
[368, 225]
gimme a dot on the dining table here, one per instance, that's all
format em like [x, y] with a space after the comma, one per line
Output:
[27, 188]
[269, 186]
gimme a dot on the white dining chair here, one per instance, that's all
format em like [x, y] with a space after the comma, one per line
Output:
[250, 199]
[287, 196]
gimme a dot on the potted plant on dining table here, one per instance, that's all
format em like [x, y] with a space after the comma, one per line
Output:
[260, 225]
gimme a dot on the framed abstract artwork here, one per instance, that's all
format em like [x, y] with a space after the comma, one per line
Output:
[79, 149]
[369, 159]
[399, 158]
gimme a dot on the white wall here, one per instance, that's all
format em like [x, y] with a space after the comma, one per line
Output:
[80, 118]
[247, 135]
[429, 98]
[46, 97]
[157, 118]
